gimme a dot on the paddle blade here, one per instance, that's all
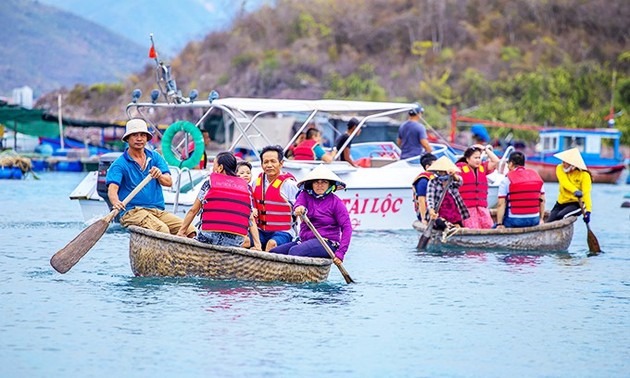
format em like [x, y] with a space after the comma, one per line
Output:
[593, 243]
[69, 255]
[426, 236]
[345, 274]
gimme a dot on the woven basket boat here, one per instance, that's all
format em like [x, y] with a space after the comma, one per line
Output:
[548, 237]
[158, 254]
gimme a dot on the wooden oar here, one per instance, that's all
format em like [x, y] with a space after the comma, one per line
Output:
[69, 255]
[591, 239]
[426, 234]
[343, 271]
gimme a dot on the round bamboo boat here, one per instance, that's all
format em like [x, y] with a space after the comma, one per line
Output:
[548, 237]
[157, 254]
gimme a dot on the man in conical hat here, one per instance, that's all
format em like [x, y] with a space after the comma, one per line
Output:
[327, 213]
[453, 210]
[575, 183]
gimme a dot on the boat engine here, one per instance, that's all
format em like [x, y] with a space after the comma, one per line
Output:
[103, 165]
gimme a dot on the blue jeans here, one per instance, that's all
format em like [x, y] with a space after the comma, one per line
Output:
[220, 238]
[280, 237]
[521, 222]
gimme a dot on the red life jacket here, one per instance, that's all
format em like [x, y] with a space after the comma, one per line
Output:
[274, 212]
[228, 205]
[305, 150]
[425, 175]
[524, 191]
[474, 190]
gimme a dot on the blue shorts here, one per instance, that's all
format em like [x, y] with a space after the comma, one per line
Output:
[280, 237]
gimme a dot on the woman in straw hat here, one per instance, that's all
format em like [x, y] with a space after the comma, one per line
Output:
[575, 182]
[327, 213]
[453, 210]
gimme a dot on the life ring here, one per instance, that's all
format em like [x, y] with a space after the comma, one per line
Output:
[167, 140]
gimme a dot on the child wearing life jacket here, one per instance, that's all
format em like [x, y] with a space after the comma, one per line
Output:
[244, 171]
[452, 210]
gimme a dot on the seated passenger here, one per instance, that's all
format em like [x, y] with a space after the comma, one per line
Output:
[327, 213]
[274, 196]
[225, 201]
[310, 149]
[419, 187]
[345, 154]
[474, 189]
[523, 194]
[244, 171]
[452, 211]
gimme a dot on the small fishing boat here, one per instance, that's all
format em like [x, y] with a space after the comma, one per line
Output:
[157, 254]
[605, 166]
[548, 237]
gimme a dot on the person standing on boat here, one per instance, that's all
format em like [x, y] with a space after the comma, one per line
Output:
[146, 209]
[327, 213]
[345, 154]
[522, 193]
[225, 201]
[310, 149]
[452, 211]
[419, 187]
[474, 189]
[575, 182]
[412, 136]
[274, 196]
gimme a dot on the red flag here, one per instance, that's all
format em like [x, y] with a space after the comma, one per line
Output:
[152, 53]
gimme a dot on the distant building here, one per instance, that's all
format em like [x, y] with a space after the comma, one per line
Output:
[23, 97]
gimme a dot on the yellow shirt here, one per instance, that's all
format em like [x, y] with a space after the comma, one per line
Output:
[572, 181]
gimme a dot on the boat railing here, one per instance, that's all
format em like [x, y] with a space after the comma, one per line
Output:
[179, 173]
[502, 165]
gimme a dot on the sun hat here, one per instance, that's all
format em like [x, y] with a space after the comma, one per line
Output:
[572, 157]
[136, 125]
[321, 172]
[443, 164]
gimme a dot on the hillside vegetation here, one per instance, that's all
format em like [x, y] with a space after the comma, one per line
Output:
[525, 61]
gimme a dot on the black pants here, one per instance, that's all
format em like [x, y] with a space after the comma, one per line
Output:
[561, 211]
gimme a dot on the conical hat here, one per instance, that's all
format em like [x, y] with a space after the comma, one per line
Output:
[572, 157]
[321, 172]
[443, 164]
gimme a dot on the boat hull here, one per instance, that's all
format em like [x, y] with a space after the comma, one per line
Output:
[156, 254]
[548, 237]
[600, 174]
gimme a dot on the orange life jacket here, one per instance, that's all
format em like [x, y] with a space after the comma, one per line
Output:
[274, 212]
[426, 175]
[228, 205]
[474, 189]
[305, 150]
[524, 191]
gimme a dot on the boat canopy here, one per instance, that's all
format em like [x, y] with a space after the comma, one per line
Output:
[329, 106]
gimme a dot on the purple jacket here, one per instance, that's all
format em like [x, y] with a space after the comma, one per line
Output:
[330, 217]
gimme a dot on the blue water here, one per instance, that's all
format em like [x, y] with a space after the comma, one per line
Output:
[410, 314]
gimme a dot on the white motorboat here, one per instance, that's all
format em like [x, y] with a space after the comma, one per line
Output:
[378, 197]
